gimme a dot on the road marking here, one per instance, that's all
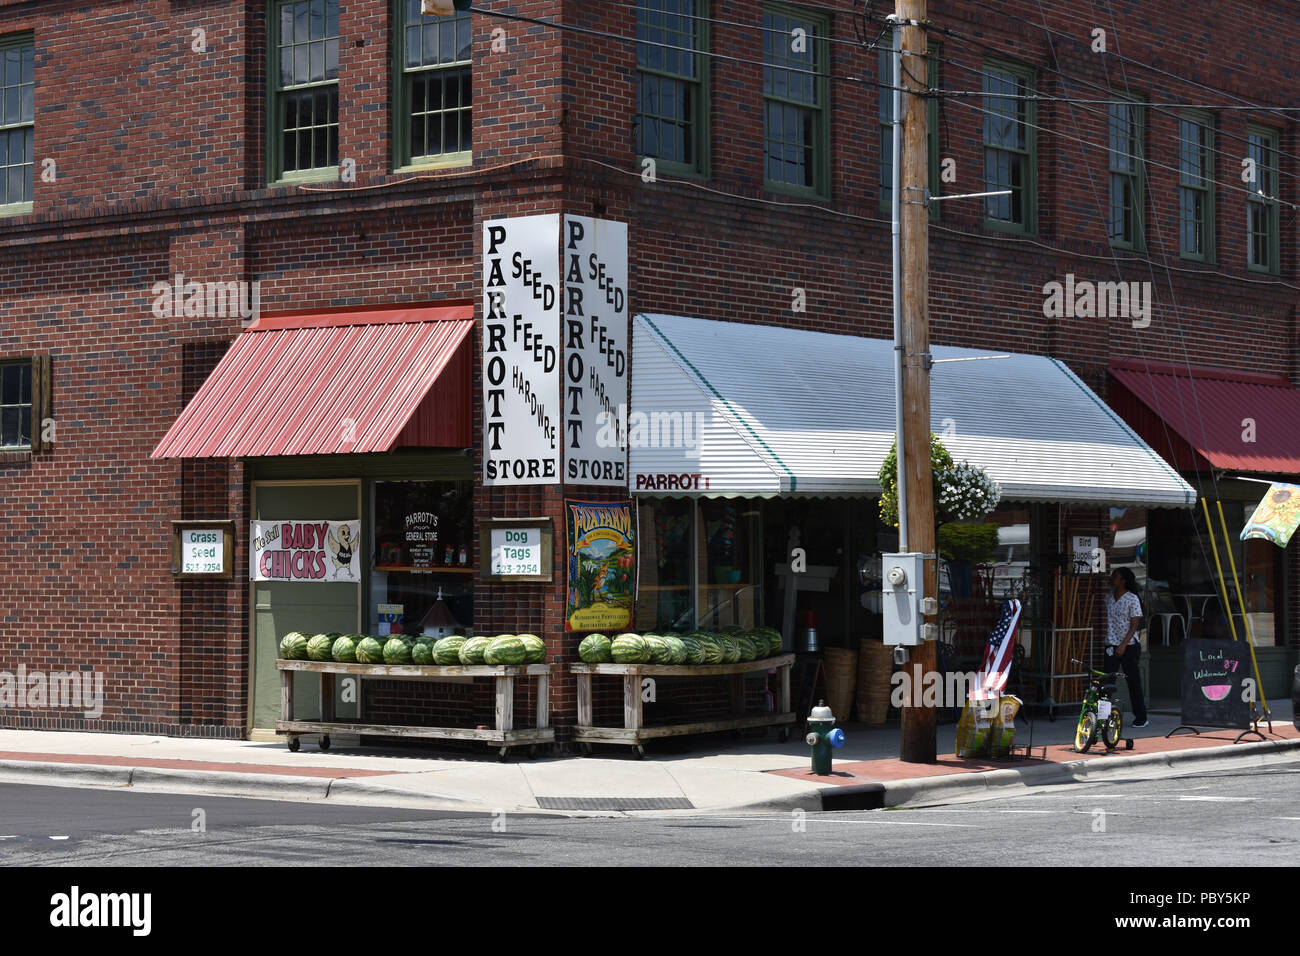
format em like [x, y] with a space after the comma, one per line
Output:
[58, 838]
[1219, 799]
[1271, 818]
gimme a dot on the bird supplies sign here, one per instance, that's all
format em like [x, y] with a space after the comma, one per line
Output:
[521, 351]
[602, 565]
[595, 351]
[300, 550]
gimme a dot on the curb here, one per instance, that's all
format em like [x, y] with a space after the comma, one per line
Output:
[931, 791]
[219, 783]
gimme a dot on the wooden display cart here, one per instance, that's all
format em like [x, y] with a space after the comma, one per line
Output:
[504, 735]
[634, 733]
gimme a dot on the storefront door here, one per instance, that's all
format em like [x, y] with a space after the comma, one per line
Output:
[312, 608]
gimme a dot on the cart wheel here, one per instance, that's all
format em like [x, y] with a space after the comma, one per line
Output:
[785, 735]
[1128, 743]
[294, 744]
[325, 742]
[639, 751]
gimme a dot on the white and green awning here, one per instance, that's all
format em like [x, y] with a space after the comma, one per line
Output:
[727, 409]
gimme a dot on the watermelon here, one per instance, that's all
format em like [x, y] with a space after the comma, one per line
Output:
[447, 651]
[370, 651]
[629, 649]
[471, 652]
[344, 649]
[421, 654]
[676, 649]
[660, 652]
[293, 646]
[425, 639]
[594, 649]
[536, 648]
[730, 648]
[773, 638]
[506, 649]
[694, 649]
[397, 651]
[712, 649]
[319, 647]
[748, 649]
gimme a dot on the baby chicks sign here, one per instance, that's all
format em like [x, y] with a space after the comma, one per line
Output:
[299, 550]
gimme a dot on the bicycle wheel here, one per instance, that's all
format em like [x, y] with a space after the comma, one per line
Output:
[1113, 730]
[1086, 733]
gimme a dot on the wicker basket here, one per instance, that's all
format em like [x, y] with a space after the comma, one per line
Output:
[841, 677]
[875, 664]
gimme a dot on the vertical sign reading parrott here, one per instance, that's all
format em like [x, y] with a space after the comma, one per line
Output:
[595, 351]
[521, 349]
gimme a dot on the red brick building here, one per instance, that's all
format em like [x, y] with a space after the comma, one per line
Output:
[345, 154]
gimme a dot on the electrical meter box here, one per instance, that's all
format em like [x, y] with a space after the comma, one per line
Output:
[902, 581]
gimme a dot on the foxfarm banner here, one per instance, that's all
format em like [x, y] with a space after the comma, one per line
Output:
[300, 550]
[521, 351]
[602, 565]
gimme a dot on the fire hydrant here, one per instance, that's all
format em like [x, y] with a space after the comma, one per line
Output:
[822, 736]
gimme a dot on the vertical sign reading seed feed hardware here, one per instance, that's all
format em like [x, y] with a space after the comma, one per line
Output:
[521, 350]
[602, 565]
[595, 351]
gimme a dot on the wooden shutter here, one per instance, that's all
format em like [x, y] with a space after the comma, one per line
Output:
[42, 399]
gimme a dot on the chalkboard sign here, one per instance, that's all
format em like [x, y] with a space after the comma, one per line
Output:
[1214, 689]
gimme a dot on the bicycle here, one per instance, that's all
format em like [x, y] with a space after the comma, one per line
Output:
[1099, 713]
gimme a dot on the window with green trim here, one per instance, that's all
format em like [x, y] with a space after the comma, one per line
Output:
[17, 122]
[672, 110]
[1262, 220]
[885, 113]
[433, 87]
[15, 404]
[305, 107]
[1196, 186]
[796, 134]
[1010, 147]
[1125, 137]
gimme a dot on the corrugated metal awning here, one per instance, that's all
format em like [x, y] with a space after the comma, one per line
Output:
[1244, 421]
[723, 408]
[334, 383]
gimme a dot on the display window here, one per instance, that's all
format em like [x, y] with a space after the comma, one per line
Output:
[421, 573]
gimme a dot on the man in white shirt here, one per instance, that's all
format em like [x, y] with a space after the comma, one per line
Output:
[1123, 618]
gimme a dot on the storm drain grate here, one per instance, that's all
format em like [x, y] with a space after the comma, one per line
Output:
[615, 803]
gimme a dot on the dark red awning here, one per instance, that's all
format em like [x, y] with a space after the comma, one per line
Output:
[1200, 417]
[340, 383]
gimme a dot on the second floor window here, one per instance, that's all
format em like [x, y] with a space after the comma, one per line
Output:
[1125, 150]
[15, 404]
[796, 140]
[1010, 160]
[1262, 221]
[672, 115]
[305, 111]
[1196, 187]
[17, 122]
[433, 115]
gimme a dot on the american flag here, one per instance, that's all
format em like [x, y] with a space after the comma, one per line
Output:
[994, 670]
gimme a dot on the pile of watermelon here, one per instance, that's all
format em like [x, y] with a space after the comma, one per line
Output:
[728, 646]
[409, 649]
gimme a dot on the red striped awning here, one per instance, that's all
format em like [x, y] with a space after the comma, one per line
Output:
[335, 383]
[1201, 417]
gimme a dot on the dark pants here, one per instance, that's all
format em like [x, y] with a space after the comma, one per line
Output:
[1129, 662]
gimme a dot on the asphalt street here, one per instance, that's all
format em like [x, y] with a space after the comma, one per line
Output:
[1224, 818]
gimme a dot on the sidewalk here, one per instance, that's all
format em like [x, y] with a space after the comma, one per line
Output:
[702, 773]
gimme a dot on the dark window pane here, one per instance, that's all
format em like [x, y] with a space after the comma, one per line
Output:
[433, 134]
[463, 38]
[417, 93]
[10, 383]
[286, 67]
[333, 146]
[4, 150]
[413, 45]
[12, 105]
[29, 104]
[13, 67]
[286, 24]
[301, 64]
[450, 132]
[322, 111]
[304, 150]
[331, 18]
[465, 141]
[290, 112]
[15, 184]
[334, 106]
[331, 59]
[430, 52]
[317, 62]
[321, 147]
[29, 68]
[302, 22]
[27, 182]
[451, 90]
[289, 151]
[8, 426]
[417, 136]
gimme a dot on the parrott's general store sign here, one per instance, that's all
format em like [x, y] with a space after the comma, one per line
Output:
[554, 350]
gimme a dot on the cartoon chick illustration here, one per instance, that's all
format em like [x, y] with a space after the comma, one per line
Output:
[340, 550]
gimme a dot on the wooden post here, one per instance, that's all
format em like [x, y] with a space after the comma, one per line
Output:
[544, 700]
[505, 702]
[584, 700]
[632, 699]
[918, 736]
[286, 695]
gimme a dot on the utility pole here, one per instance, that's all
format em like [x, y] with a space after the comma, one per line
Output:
[916, 486]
